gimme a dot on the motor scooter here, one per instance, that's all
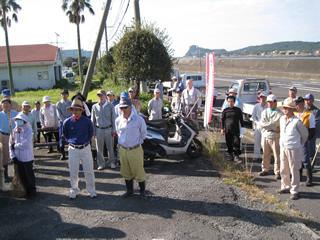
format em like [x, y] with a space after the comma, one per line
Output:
[159, 144]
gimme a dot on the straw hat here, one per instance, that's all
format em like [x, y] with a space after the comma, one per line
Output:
[76, 104]
[288, 103]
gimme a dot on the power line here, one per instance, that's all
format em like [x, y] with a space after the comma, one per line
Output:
[120, 22]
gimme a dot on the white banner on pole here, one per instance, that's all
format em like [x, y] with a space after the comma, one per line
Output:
[210, 90]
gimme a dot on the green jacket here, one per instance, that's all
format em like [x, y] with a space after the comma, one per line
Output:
[270, 122]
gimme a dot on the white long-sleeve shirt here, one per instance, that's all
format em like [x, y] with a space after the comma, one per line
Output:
[293, 134]
[256, 112]
[23, 145]
[155, 109]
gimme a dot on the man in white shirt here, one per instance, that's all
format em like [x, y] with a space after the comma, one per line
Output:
[155, 106]
[293, 135]
[256, 116]
[189, 98]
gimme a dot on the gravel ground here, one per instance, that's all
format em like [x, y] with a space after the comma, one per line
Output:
[187, 200]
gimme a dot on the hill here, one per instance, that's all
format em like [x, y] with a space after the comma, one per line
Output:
[260, 49]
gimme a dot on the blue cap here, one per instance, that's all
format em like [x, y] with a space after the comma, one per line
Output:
[6, 92]
[309, 96]
[124, 95]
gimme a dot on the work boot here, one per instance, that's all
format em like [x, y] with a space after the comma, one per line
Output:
[129, 192]
[309, 178]
[6, 175]
[143, 196]
[2, 187]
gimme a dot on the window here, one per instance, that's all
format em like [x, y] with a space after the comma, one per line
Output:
[195, 78]
[45, 75]
[254, 86]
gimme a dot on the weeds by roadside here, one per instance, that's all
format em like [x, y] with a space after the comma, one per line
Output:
[242, 178]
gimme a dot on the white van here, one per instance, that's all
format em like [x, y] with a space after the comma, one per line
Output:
[70, 77]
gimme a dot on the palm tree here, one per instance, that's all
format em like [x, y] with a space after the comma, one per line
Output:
[74, 12]
[5, 7]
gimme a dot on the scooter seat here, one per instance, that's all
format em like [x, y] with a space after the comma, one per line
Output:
[157, 124]
[162, 131]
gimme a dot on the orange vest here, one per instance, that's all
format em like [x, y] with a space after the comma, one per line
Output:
[305, 118]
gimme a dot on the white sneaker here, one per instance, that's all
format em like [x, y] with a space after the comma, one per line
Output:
[100, 168]
[38, 148]
[93, 195]
[113, 166]
[73, 195]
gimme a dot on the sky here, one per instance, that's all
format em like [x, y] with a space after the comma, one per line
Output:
[213, 24]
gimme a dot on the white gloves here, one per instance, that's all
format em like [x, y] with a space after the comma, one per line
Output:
[241, 132]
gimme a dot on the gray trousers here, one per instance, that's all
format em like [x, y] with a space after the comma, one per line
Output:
[104, 137]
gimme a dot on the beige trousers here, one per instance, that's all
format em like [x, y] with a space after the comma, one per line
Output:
[268, 145]
[4, 150]
[290, 163]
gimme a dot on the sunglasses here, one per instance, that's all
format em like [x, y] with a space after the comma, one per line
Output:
[123, 107]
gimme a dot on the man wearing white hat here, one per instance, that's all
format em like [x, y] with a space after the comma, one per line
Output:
[256, 116]
[238, 103]
[21, 151]
[159, 85]
[31, 118]
[49, 118]
[270, 128]
[155, 106]
[111, 98]
[292, 136]
[77, 130]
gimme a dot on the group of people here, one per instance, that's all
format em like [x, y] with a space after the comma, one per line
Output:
[80, 125]
[288, 130]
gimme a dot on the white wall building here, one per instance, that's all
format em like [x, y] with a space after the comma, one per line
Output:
[33, 66]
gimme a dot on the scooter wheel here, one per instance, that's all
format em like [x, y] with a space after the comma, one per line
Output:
[147, 161]
[195, 148]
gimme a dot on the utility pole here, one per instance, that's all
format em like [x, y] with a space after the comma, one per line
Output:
[143, 84]
[137, 13]
[94, 55]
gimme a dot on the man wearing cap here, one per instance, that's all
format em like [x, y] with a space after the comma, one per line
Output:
[292, 136]
[270, 129]
[159, 85]
[14, 105]
[111, 98]
[292, 93]
[155, 106]
[63, 114]
[238, 103]
[103, 118]
[49, 119]
[31, 119]
[6, 120]
[308, 100]
[117, 109]
[77, 131]
[174, 86]
[36, 113]
[131, 130]
[136, 102]
[231, 120]
[309, 122]
[256, 116]
[189, 98]
[21, 152]
[176, 105]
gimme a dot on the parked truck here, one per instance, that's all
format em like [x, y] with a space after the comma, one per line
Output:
[248, 90]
